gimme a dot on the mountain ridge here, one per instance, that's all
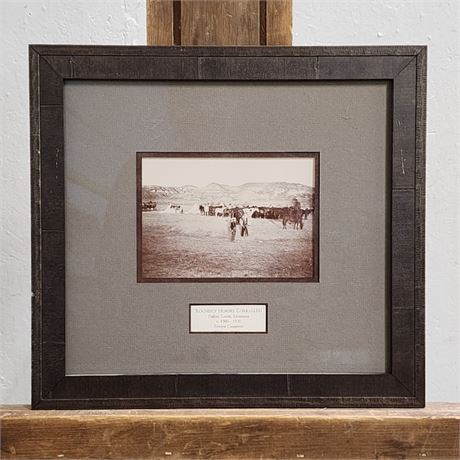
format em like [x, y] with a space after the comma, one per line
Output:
[250, 193]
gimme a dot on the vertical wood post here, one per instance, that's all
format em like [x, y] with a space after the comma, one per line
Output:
[219, 22]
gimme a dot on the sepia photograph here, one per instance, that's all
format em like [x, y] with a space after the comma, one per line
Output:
[227, 216]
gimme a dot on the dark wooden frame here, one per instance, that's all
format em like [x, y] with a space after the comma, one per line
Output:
[315, 224]
[404, 67]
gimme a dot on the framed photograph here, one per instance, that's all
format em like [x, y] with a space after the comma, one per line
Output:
[227, 227]
[196, 228]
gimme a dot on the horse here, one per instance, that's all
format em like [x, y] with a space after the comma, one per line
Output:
[148, 205]
[237, 213]
[295, 217]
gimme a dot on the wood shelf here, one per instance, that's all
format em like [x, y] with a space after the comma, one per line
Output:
[433, 432]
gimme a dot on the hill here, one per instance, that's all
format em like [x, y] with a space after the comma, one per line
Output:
[249, 194]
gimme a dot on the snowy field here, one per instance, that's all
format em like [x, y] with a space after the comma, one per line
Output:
[196, 246]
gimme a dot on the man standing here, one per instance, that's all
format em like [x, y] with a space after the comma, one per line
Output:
[244, 225]
[232, 229]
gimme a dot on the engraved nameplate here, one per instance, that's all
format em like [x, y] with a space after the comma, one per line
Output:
[228, 318]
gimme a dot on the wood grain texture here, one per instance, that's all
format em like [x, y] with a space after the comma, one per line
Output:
[433, 433]
[279, 22]
[36, 233]
[256, 51]
[160, 22]
[361, 67]
[244, 68]
[219, 22]
[404, 112]
[420, 185]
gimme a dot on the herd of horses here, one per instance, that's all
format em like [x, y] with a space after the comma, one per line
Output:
[148, 205]
[293, 215]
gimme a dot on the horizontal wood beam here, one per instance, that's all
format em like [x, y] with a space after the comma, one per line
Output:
[433, 432]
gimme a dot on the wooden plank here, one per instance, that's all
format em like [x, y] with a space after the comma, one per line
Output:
[52, 167]
[279, 22]
[160, 24]
[404, 125]
[35, 207]
[420, 162]
[126, 67]
[235, 51]
[51, 85]
[242, 68]
[220, 22]
[361, 67]
[402, 249]
[433, 432]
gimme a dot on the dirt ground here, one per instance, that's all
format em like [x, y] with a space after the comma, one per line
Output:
[195, 246]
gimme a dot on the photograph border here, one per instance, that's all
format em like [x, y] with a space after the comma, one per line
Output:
[315, 251]
[402, 67]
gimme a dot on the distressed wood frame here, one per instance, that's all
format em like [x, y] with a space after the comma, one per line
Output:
[403, 385]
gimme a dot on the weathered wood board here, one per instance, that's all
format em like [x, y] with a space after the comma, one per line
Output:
[219, 22]
[433, 432]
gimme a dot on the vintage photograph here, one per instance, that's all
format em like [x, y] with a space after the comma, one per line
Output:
[227, 217]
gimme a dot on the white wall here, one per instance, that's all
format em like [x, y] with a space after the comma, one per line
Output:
[120, 22]
[321, 22]
[434, 23]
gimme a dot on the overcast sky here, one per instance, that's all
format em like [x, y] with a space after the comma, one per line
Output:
[227, 171]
